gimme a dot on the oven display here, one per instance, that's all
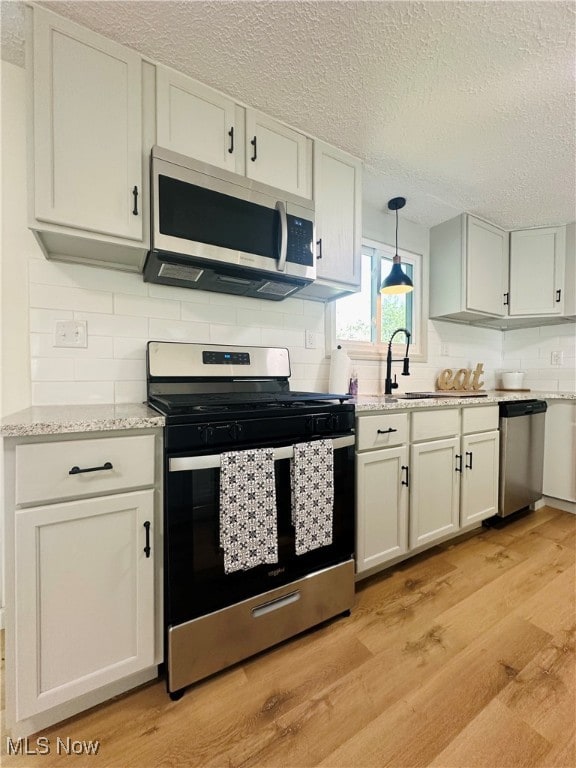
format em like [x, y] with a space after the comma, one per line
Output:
[226, 358]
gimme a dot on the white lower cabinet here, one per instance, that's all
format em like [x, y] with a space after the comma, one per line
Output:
[560, 450]
[382, 531]
[409, 496]
[434, 490]
[83, 544]
[84, 597]
[479, 492]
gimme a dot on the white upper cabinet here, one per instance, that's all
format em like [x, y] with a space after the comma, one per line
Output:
[537, 271]
[468, 269]
[486, 267]
[198, 121]
[484, 275]
[338, 197]
[278, 155]
[87, 130]
[202, 123]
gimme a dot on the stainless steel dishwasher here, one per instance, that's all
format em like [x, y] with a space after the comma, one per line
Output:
[521, 454]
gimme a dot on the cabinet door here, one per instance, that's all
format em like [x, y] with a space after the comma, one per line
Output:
[277, 155]
[84, 597]
[486, 267]
[434, 490]
[196, 121]
[382, 506]
[87, 130]
[537, 271]
[479, 497]
[338, 196]
[560, 450]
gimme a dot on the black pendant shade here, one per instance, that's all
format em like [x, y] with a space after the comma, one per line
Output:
[397, 281]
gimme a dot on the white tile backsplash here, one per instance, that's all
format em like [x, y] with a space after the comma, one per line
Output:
[122, 313]
[530, 350]
[63, 297]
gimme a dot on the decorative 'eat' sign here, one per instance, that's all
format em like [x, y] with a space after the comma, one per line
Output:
[462, 379]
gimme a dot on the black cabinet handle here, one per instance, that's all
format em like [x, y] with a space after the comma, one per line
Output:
[386, 431]
[558, 295]
[468, 466]
[231, 134]
[319, 253]
[459, 462]
[135, 193]
[147, 549]
[506, 299]
[78, 471]
[407, 470]
[255, 153]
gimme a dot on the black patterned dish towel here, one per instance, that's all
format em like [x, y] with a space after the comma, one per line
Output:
[312, 475]
[248, 519]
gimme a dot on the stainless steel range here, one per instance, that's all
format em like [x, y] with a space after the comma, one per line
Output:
[258, 504]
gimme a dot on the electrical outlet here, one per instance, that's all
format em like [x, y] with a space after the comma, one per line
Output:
[71, 333]
[444, 349]
[310, 340]
[557, 357]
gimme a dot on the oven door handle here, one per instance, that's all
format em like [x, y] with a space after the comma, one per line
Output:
[187, 463]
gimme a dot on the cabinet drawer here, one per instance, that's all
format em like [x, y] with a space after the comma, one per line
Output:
[481, 419]
[43, 469]
[428, 425]
[382, 431]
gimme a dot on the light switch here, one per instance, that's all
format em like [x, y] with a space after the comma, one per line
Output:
[71, 333]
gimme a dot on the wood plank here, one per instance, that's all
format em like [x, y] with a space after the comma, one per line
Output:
[543, 694]
[494, 738]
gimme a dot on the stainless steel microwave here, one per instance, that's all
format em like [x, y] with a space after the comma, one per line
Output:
[219, 231]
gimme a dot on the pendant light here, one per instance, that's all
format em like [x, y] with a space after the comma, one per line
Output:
[397, 281]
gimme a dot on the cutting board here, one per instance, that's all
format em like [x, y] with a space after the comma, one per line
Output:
[500, 389]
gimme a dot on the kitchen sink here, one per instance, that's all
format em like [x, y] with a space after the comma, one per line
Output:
[429, 395]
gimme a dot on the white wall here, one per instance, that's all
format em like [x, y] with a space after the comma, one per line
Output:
[18, 244]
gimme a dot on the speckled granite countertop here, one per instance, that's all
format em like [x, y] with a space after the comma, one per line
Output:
[365, 404]
[60, 419]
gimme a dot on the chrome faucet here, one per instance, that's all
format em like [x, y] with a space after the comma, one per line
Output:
[389, 385]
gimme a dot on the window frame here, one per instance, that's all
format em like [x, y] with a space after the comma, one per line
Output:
[368, 350]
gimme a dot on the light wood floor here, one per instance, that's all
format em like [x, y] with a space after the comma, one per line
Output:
[458, 658]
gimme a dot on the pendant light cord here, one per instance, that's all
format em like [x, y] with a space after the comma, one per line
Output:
[396, 232]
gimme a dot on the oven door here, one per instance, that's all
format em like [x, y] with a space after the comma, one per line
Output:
[196, 583]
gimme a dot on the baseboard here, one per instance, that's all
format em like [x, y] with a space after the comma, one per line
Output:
[565, 506]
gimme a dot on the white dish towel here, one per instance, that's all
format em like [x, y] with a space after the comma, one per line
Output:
[312, 475]
[248, 517]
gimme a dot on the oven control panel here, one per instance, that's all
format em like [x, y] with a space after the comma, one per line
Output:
[225, 358]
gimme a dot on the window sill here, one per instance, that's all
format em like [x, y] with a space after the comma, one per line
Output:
[380, 354]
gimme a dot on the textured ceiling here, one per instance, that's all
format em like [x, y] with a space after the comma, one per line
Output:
[454, 105]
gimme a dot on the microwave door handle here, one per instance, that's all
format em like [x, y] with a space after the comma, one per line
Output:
[281, 208]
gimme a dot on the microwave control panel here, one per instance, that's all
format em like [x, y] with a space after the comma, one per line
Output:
[300, 241]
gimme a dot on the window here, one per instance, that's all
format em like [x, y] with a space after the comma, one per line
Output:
[365, 321]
